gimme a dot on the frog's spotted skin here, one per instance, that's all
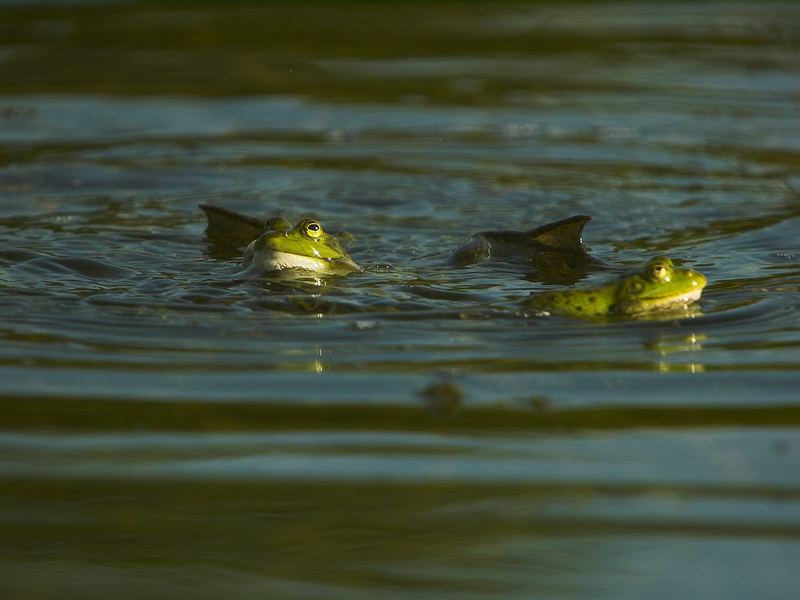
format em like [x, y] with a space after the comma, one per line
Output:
[278, 245]
[659, 286]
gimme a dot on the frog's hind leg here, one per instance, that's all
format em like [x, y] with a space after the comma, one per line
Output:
[230, 228]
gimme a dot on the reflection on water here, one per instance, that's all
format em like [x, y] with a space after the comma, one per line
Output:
[675, 351]
[172, 427]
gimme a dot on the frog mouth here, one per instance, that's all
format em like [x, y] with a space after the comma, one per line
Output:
[692, 295]
[277, 260]
[666, 302]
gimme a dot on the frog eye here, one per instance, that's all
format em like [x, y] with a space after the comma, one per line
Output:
[660, 272]
[312, 229]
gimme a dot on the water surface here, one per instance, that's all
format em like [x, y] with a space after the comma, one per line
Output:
[169, 429]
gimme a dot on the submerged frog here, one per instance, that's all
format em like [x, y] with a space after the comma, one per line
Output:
[276, 245]
[554, 250]
[562, 236]
[659, 286]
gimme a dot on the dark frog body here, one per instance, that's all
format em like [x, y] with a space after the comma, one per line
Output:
[554, 250]
[276, 245]
[659, 286]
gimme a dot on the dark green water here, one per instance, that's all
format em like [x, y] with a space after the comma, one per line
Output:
[170, 431]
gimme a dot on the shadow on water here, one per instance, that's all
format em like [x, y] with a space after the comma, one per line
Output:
[80, 414]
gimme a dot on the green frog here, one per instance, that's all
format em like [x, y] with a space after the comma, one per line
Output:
[659, 286]
[277, 245]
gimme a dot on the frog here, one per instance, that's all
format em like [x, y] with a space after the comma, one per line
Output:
[277, 245]
[554, 250]
[658, 286]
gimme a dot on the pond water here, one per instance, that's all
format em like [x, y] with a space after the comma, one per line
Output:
[168, 429]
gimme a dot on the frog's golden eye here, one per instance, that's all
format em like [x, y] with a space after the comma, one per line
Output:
[660, 272]
[312, 229]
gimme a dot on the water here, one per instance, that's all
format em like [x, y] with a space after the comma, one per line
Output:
[168, 429]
